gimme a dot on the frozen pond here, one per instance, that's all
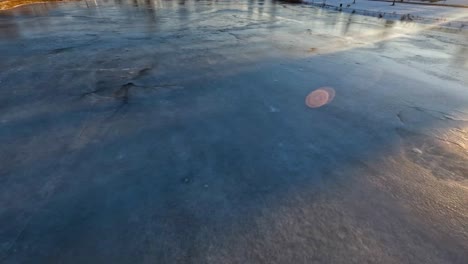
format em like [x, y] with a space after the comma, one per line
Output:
[177, 132]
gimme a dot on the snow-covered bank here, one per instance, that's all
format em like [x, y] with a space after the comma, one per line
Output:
[435, 14]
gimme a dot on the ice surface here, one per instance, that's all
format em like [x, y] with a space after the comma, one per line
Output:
[177, 132]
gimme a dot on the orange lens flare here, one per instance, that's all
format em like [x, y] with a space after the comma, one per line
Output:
[320, 97]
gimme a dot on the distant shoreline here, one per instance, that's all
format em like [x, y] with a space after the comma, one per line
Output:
[389, 13]
[11, 4]
[422, 3]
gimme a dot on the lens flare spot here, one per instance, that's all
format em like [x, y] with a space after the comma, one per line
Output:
[320, 97]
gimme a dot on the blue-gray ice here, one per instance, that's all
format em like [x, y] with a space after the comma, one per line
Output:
[177, 132]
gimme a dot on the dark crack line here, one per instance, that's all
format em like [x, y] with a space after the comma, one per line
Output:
[400, 117]
[444, 115]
